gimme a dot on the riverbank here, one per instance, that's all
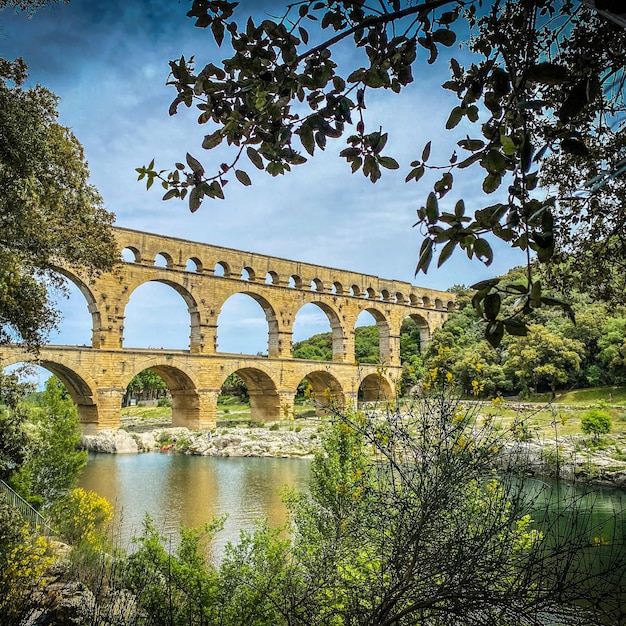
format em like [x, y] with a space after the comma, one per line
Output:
[137, 436]
[571, 458]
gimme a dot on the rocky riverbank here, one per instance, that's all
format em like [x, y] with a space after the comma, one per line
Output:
[300, 442]
[570, 458]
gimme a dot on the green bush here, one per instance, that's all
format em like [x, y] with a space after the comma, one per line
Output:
[274, 427]
[164, 402]
[596, 422]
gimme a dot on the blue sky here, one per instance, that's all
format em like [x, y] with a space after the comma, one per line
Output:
[108, 63]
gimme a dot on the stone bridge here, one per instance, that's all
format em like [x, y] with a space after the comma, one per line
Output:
[205, 276]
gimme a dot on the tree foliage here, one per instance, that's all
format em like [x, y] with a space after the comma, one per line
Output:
[539, 116]
[555, 354]
[51, 468]
[50, 216]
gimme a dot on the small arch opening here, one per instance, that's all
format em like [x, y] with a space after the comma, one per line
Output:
[247, 273]
[355, 291]
[295, 282]
[131, 255]
[193, 265]
[162, 259]
[271, 278]
[221, 269]
[337, 288]
[317, 285]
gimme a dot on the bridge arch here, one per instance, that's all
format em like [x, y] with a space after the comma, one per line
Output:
[265, 400]
[384, 333]
[182, 290]
[424, 329]
[326, 391]
[81, 386]
[186, 400]
[375, 388]
[90, 298]
[274, 343]
[336, 327]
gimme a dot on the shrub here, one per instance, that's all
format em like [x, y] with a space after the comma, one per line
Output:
[164, 402]
[82, 517]
[596, 422]
[274, 427]
[24, 560]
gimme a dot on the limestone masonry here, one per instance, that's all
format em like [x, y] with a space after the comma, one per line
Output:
[205, 277]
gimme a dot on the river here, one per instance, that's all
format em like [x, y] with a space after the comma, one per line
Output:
[191, 490]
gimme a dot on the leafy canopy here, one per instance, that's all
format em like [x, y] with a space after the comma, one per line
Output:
[50, 216]
[540, 94]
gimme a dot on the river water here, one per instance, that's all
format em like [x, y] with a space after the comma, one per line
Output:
[177, 489]
[191, 490]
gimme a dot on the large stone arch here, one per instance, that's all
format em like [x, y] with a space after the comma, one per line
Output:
[375, 388]
[276, 339]
[424, 329]
[265, 399]
[336, 328]
[187, 403]
[90, 298]
[385, 349]
[81, 386]
[326, 391]
[195, 321]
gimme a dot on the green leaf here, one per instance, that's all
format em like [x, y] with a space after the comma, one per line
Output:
[195, 165]
[548, 74]
[388, 163]
[195, 199]
[459, 209]
[566, 306]
[217, 27]
[426, 255]
[455, 117]
[515, 327]
[432, 208]
[213, 140]
[526, 156]
[243, 178]
[172, 193]
[494, 333]
[426, 152]
[485, 284]
[483, 251]
[491, 182]
[415, 174]
[574, 146]
[444, 36]
[254, 157]
[492, 306]
[508, 145]
[446, 252]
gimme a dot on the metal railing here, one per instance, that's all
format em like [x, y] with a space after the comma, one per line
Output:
[35, 519]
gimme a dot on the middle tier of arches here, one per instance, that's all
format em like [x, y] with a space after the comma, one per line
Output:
[109, 295]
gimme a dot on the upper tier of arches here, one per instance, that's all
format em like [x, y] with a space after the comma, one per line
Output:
[198, 258]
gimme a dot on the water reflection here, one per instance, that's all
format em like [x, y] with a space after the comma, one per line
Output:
[191, 490]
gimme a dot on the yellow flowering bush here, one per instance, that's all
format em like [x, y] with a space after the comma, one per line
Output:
[24, 561]
[82, 518]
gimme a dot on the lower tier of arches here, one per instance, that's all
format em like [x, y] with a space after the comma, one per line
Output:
[97, 381]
